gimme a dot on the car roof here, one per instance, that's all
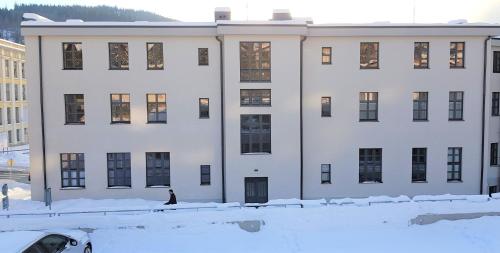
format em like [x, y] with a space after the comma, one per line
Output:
[14, 242]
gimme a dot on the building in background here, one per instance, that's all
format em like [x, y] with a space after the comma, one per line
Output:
[13, 96]
[255, 110]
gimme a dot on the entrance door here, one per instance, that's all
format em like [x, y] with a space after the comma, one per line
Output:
[256, 189]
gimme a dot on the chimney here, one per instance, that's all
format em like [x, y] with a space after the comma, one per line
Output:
[222, 13]
[282, 14]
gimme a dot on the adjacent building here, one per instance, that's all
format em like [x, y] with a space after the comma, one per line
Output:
[255, 110]
[13, 105]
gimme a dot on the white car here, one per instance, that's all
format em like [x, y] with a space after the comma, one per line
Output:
[62, 241]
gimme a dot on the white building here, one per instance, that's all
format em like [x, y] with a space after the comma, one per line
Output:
[356, 110]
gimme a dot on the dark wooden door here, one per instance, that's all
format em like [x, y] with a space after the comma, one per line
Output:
[256, 190]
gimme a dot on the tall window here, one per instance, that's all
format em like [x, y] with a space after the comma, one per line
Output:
[494, 154]
[254, 97]
[421, 55]
[419, 165]
[326, 106]
[370, 165]
[368, 106]
[18, 135]
[157, 169]
[1, 92]
[326, 176]
[118, 56]
[9, 115]
[204, 108]
[455, 110]
[7, 92]
[326, 55]
[369, 55]
[157, 108]
[255, 133]
[23, 92]
[18, 115]
[205, 174]
[454, 164]
[75, 111]
[73, 170]
[7, 68]
[119, 169]
[1, 116]
[23, 75]
[255, 61]
[9, 135]
[155, 55]
[72, 55]
[120, 108]
[16, 69]
[496, 62]
[420, 103]
[457, 54]
[16, 92]
[202, 56]
[495, 104]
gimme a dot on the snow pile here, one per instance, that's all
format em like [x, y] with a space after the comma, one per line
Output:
[370, 200]
[17, 190]
[444, 197]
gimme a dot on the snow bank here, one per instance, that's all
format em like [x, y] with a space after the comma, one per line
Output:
[444, 197]
[370, 200]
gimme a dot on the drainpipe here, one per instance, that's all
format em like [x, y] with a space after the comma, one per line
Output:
[44, 160]
[222, 130]
[483, 119]
[301, 121]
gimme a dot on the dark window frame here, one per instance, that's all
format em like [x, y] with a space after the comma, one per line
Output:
[496, 61]
[67, 113]
[111, 67]
[17, 114]
[369, 160]
[202, 60]
[328, 55]
[156, 104]
[419, 165]
[495, 104]
[494, 157]
[205, 177]
[74, 57]
[453, 100]
[148, 57]
[368, 110]
[418, 103]
[420, 48]
[121, 103]
[201, 109]
[454, 55]
[260, 69]
[454, 175]
[126, 164]
[256, 97]
[368, 66]
[159, 172]
[257, 134]
[326, 106]
[80, 160]
[328, 173]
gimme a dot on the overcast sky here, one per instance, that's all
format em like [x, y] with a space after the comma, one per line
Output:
[327, 11]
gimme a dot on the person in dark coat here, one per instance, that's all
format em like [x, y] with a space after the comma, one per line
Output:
[173, 199]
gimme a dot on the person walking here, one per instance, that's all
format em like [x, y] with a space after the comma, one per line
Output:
[173, 199]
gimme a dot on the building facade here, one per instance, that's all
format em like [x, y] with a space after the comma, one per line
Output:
[252, 111]
[13, 104]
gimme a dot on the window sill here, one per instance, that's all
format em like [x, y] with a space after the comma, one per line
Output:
[71, 188]
[204, 184]
[255, 105]
[154, 69]
[495, 115]
[156, 122]
[421, 68]
[119, 187]
[420, 120]
[375, 120]
[419, 182]
[326, 182]
[371, 182]
[257, 153]
[456, 120]
[157, 186]
[361, 68]
[120, 123]
[203, 117]
[324, 116]
[74, 124]
[72, 69]
[495, 165]
[455, 181]
[255, 81]
[118, 69]
[457, 67]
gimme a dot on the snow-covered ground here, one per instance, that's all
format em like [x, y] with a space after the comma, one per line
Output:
[20, 155]
[354, 226]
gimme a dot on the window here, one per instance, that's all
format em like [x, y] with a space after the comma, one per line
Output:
[7, 93]
[419, 164]
[255, 133]
[326, 174]
[9, 115]
[157, 108]
[370, 165]
[457, 53]
[72, 55]
[24, 92]
[18, 135]
[26, 134]
[1, 116]
[455, 110]
[155, 55]
[205, 174]
[72, 170]
[23, 75]
[16, 92]
[254, 97]
[421, 56]
[202, 56]
[204, 108]
[369, 55]
[494, 154]
[74, 108]
[255, 61]
[492, 189]
[495, 104]
[118, 56]
[326, 106]
[420, 102]
[1, 92]
[454, 164]
[368, 106]
[9, 134]
[496, 62]
[16, 72]
[119, 169]
[7, 68]
[18, 115]
[50, 243]
[326, 55]
[120, 108]
[157, 169]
